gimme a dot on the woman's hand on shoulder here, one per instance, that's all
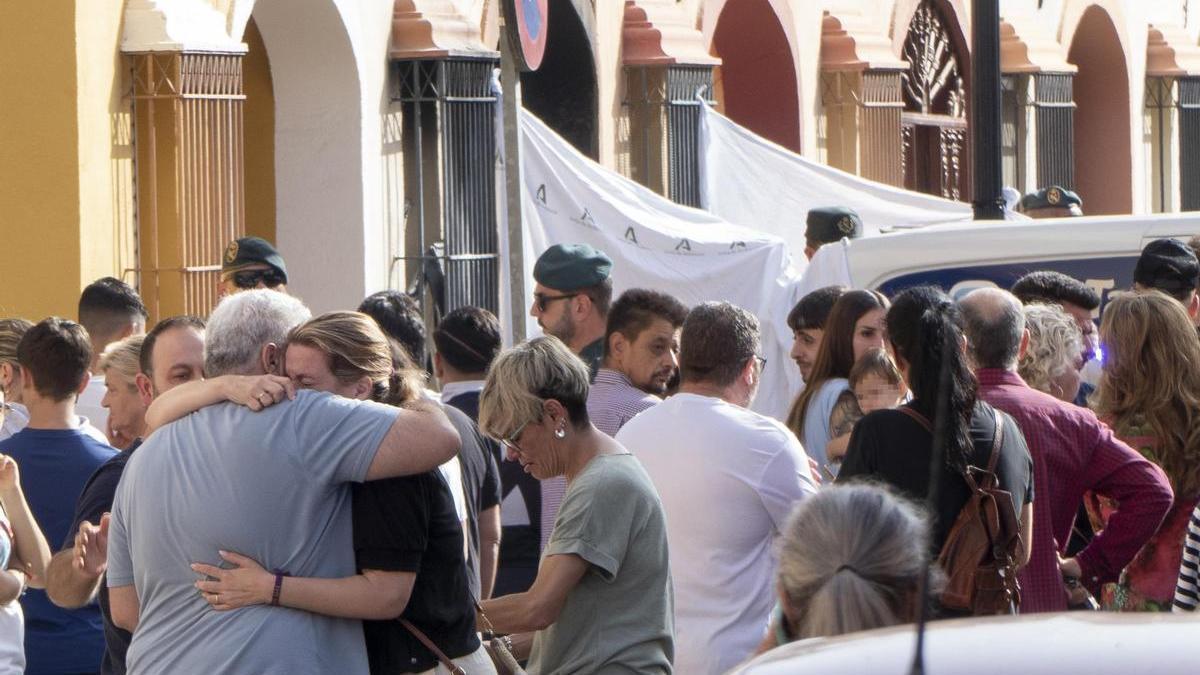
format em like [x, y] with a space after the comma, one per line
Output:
[257, 392]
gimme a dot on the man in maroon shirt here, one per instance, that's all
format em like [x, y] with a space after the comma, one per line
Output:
[1073, 452]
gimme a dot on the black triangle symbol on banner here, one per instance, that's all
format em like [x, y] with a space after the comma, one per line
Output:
[630, 235]
[541, 193]
[683, 244]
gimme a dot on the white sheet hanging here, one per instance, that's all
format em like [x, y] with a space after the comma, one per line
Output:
[750, 181]
[655, 243]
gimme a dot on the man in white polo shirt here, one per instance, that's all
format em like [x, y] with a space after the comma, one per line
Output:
[728, 479]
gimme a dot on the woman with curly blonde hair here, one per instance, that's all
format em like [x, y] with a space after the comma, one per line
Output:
[1149, 393]
[1053, 359]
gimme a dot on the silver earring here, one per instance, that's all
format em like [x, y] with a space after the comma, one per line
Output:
[560, 432]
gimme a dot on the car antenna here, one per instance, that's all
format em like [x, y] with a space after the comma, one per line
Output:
[936, 459]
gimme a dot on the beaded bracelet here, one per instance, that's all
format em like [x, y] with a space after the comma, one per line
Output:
[279, 575]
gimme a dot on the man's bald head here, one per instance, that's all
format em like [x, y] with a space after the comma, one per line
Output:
[995, 325]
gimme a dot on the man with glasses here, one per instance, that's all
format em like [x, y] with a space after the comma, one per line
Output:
[571, 298]
[728, 478]
[251, 262]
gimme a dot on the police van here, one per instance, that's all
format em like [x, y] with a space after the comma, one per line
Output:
[1100, 251]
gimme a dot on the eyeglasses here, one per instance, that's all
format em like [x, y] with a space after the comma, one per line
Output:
[543, 300]
[762, 362]
[511, 441]
[248, 279]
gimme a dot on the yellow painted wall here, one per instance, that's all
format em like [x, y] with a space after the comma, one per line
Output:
[259, 137]
[39, 144]
[107, 225]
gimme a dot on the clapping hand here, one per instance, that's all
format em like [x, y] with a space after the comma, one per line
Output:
[91, 547]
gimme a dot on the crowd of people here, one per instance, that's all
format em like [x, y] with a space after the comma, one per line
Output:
[267, 491]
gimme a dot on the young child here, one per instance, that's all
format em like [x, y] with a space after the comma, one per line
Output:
[875, 384]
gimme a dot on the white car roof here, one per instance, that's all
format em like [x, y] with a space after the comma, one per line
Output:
[876, 259]
[1096, 643]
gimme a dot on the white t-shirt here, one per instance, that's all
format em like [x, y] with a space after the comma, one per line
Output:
[728, 479]
[88, 405]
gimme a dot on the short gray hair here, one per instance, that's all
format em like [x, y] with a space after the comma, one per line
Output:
[994, 326]
[244, 323]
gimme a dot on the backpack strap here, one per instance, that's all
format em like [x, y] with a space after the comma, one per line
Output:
[916, 417]
[997, 440]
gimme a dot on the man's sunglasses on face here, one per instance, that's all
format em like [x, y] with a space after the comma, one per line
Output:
[544, 300]
[248, 279]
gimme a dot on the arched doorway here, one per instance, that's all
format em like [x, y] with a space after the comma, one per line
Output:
[319, 210]
[1103, 161]
[563, 92]
[934, 121]
[757, 75]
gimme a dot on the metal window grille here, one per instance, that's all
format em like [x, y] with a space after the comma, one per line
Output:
[663, 105]
[449, 141]
[1189, 143]
[188, 110]
[1054, 110]
[1161, 100]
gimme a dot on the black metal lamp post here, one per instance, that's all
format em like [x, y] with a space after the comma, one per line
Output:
[987, 176]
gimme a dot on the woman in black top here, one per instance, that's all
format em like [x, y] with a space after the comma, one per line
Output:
[924, 326]
[408, 540]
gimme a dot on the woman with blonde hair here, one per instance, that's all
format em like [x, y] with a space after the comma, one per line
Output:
[125, 404]
[1053, 359]
[851, 559]
[1149, 393]
[601, 601]
[412, 591]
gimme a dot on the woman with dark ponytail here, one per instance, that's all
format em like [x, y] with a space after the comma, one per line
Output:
[896, 446]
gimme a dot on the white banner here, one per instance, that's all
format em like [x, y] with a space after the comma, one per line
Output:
[655, 243]
[755, 183]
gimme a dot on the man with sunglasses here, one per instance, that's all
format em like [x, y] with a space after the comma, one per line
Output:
[251, 262]
[571, 298]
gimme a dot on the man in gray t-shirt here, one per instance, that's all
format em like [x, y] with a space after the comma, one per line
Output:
[269, 485]
[273, 485]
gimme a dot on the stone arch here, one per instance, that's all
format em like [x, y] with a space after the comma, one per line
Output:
[564, 92]
[757, 77]
[955, 11]
[318, 140]
[1103, 149]
[318, 148]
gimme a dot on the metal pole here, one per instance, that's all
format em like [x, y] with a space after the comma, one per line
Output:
[988, 176]
[509, 78]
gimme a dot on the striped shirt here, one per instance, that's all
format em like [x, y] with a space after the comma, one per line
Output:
[612, 401]
[1187, 589]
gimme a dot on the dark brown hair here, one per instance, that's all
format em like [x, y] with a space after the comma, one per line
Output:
[835, 357]
[57, 353]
